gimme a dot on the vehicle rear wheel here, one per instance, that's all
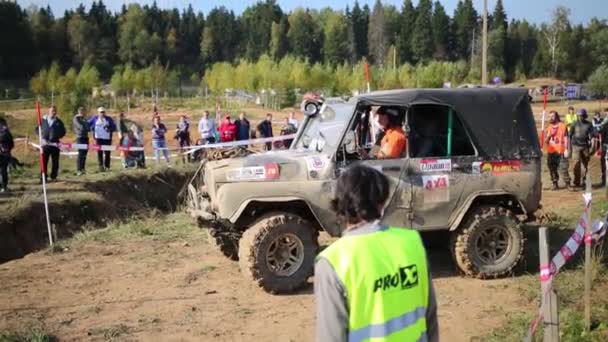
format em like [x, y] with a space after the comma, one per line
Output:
[489, 244]
[278, 252]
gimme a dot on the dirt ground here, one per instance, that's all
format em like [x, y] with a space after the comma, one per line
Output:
[183, 290]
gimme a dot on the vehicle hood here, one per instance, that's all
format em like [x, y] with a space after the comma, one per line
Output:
[292, 165]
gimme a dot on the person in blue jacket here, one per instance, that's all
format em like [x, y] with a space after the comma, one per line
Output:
[102, 127]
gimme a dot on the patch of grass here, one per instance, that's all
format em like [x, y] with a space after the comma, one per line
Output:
[111, 333]
[151, 226]
[31, 335]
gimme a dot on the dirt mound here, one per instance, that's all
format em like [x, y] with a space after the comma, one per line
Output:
[24, 230]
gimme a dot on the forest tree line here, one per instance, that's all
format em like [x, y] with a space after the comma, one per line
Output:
[266, 47]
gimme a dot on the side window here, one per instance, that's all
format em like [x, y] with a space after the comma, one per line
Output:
[436, 131]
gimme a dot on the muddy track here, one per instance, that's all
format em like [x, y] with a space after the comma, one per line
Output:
[24, 230]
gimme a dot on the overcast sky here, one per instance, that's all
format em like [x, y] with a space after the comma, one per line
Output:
[533, 10]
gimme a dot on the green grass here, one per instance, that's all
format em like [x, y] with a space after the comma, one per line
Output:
[569, 287]
[152, 226]
[31, 335]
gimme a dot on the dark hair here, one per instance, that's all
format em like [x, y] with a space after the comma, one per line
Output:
[556, 115]
[361, 192]
[391, 113]
[3, 121]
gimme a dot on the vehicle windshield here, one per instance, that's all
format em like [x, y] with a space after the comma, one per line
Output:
[322, 132]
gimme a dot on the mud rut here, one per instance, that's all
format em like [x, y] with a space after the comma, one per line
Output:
[118, 198]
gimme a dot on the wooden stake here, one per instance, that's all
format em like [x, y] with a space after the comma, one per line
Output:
[549, 299]
[588, 260]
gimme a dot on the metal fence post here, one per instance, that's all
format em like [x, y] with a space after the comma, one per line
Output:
[549, 298]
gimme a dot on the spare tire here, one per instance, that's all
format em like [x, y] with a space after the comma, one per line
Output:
[278, 252]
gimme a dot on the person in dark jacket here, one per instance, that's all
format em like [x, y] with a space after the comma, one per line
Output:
[288, 129]
[265, 130]
[6, 145]
[52, 129]
[581, 138]
[182, 134]
[81, 131]
[242, 127]
[102, 126]
[159, 142]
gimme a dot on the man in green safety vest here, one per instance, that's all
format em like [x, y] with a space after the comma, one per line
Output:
[374, 283]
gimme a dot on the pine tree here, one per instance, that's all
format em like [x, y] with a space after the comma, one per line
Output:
[303, 36]
[376, 34]
[441, 32]
[257, 22]
[404, 39]
[422, 36]
[465, 25]
[359, 21]
[499, 17]
[278, 39]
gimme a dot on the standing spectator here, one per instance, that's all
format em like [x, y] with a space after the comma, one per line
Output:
[206, 128]
[242, 127]
[580, 135]
[81, 131]
[103, 127]
[123, 127]
[123, 130]
[227, 130]
[570, 117]
[182, 134]
[288, 129]
[52, 131]
[6, 145]
[357, 296]
[159, 141]
[292, 120]
[556, 143]
[603, 134]
[265, 130]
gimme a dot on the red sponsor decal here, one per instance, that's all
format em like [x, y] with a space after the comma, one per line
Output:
[436, 183]
[272, 171]
[123, 148]
[499, 167]
[65, 146]
[95, 147]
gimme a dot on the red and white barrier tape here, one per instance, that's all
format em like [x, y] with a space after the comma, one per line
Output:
[548, 272]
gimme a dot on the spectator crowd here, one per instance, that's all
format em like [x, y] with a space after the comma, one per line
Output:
[100, 130]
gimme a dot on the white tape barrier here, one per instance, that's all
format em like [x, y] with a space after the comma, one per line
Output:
[239, 143]
[95, 147]
[548, 272]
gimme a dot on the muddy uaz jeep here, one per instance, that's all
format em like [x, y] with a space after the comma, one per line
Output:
[471, 167]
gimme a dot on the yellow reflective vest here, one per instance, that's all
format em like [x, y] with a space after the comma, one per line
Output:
[386, 283]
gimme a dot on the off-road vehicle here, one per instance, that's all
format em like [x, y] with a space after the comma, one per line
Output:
[471, 166]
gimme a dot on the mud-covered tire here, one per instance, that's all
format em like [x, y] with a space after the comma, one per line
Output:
[500, 230]
[226, 243]
[257, 242]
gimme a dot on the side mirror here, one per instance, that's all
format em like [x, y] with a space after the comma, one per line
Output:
[350, 144]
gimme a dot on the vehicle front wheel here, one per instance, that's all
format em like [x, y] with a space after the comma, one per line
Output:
[489, 244]
[278, 252]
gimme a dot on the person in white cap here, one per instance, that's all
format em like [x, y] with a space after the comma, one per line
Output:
[102, 126]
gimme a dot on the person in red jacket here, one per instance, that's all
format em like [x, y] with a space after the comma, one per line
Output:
[227, 130]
